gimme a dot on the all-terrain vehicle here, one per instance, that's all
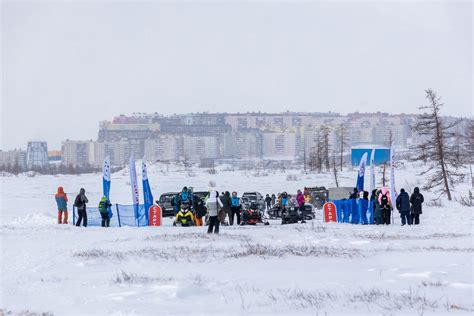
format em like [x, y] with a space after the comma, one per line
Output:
[185, 217]
[292, 215]
[253, 216]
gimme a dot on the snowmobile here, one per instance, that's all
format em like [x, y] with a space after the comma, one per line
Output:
[291, 215]
[185, 217]
[253, 216]
[275, 212]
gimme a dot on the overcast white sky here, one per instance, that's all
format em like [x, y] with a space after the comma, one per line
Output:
[68, 65]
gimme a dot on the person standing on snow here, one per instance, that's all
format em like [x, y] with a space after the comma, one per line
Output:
[104, 209]
[268, 202]
[403, 207]
[214, 206]
[61, 201]
[300, 203]
[273, 199]
[372, 203]
[364, 206]
[227, 204]
[234, 209]
[385, 205]
[416, 200]
[80, 204]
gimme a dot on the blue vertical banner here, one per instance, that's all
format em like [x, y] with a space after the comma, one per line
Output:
[147, 195]
[360, 175]
[106, 177]
[134, 186]
[106, 180]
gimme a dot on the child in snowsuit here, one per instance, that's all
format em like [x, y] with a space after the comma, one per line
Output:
[104, 206]
[80, 204]
[385, 205]
[61, 201]
[403, 207]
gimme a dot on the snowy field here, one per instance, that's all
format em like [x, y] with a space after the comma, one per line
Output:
[300, 269]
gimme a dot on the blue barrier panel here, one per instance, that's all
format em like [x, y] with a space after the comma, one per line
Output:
[371, 212]
[94, 218]
[122, 215]
[355, 211]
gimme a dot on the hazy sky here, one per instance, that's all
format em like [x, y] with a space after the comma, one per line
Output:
[68, 65]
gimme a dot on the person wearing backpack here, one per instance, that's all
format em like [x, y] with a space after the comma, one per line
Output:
[403, 207]
[80, 204]
[104, 209]
[61, 201]
[385, 205]
[214, 207]
[416, 200]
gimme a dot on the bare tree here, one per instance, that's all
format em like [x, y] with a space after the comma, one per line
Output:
[324, 133]
[437, 147]
[343, 142]
[334, 168]
[468, 150]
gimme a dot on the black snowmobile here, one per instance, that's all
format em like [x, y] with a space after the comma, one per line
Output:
[291, 215]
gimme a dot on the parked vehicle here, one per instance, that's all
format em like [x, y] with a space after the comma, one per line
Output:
[201, 194]
[339, 193]
[317, 196]
[255, 197]
[166, 205]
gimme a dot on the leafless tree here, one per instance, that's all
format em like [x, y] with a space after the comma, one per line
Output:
[342, 137]
[334, 168]
[467, 152]
[324, 132]
[437, 147]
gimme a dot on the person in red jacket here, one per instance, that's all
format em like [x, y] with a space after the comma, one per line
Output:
[61, 201]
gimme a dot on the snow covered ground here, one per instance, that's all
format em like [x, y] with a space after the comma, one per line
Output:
[311, 268]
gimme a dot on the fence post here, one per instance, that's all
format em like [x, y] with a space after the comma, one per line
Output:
[118, 214]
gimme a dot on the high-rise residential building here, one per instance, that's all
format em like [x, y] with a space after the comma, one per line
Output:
[13, 158]
[78, 153]
[279, 145]
[196, 148]
[118, 152]
[163, 148]
[37, 154]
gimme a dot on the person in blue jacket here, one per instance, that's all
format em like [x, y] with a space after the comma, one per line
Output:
[235, 208]
[186, 196]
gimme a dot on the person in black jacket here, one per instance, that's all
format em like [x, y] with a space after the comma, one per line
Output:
[227, 204]
[403, 207]
[268, 202]
[354, 195]
[416, 200]
[80, 204]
